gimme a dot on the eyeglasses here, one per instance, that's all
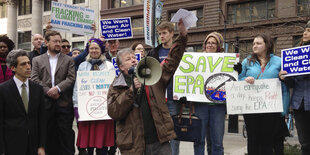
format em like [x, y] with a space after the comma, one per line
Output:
[211, 43]
[3, 47]
[140, 49]
[66, 46]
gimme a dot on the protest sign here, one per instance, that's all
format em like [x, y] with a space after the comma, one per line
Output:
[117, 71]
[296, 61]
[117, 28]
[264, 96]
[92, 89]
[201, 77]
[72, 19]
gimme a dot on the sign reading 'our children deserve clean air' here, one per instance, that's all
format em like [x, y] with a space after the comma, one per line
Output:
[117, 28]
[201, 77]
[296, 61]
[72, 19]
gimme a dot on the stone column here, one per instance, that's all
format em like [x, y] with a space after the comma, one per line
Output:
[12, 20]
[37, 14]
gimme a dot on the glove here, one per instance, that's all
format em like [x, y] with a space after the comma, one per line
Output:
[76, 113]
[238, 67]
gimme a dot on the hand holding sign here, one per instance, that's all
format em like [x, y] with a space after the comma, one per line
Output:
[182, 29]
[188, 18]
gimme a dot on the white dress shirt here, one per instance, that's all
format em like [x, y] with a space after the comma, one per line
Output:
[53, 63]
[19, 86]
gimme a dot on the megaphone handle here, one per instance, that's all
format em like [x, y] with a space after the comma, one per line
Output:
[134, 92]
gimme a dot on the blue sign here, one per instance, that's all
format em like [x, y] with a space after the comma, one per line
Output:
[296, 61]
[138, 56]
[118, 28]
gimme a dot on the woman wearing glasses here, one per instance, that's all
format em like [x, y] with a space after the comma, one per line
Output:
[138, 48]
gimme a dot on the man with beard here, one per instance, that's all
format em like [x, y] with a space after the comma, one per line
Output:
[55, 72]
[112, 46]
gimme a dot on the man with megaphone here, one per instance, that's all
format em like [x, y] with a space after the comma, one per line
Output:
[143, 122]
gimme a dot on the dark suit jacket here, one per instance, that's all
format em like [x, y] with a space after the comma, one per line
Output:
[18, 129]
[64, 78]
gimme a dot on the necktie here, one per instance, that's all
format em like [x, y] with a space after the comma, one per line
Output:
[25, 96]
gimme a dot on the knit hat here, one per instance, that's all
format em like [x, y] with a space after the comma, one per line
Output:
[97, 41]
[219, 39]
[307, 25]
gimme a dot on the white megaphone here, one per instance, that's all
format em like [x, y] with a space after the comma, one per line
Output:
[148, 71]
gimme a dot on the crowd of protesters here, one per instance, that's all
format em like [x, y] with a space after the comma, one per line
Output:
[38, 98]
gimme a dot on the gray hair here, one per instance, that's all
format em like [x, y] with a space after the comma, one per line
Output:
[119, 60]
[11, 58]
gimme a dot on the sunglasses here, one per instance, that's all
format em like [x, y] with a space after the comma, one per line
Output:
[66, 46]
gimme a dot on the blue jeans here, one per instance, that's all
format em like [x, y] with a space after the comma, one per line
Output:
[212, 119]
[173, 110]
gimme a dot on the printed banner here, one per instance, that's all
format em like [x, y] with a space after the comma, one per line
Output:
[117, 28]
[201, 77]
[264, 96]
[117, 71]
[296, 61]
[92, 90]
[72, 19]
[148, 22]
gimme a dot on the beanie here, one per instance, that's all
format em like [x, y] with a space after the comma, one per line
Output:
[219, 39]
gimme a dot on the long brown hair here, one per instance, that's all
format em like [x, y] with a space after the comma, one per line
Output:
[269, 46]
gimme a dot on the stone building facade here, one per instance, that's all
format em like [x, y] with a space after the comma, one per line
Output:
[238, 20]
[28, 17]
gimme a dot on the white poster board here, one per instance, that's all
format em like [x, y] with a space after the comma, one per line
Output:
[72, 19]
[201, 77]
[92, 88]
[264, 96]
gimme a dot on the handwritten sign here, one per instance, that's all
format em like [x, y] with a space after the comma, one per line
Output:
[92, 90]
[296, 61]
[117, 71]
[201, 77]
[264, 96]
[117, 28]
[72, 19]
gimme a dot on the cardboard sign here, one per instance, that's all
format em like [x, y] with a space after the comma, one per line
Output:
[201, 77]
[117, 28]
[72, 19]
[92, 91]
[117, 71]
[264, 96]
[296, 61]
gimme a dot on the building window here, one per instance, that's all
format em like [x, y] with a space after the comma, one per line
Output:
[125, 3]
[76, 35]
[303, 7]
[194, 48]
[137, 26]
[3, 10]
[78, 1]
[79, 44]
[245, 48]
[24, 7]
[48, 4]
[199, 15]
[251, 11]
[24, 40]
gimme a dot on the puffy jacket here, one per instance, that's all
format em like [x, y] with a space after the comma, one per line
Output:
[129, 123]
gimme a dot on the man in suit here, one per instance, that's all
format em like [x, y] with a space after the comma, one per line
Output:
[55, 72]
[22, 113]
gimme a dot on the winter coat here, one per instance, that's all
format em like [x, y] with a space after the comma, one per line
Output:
[129, 123]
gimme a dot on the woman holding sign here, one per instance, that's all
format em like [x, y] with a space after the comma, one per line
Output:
[211, 114]
[266, 131]
[94, 134]
[301, 99]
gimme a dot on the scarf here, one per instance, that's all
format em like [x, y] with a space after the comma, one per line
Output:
[95, 63]
[8, 74]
